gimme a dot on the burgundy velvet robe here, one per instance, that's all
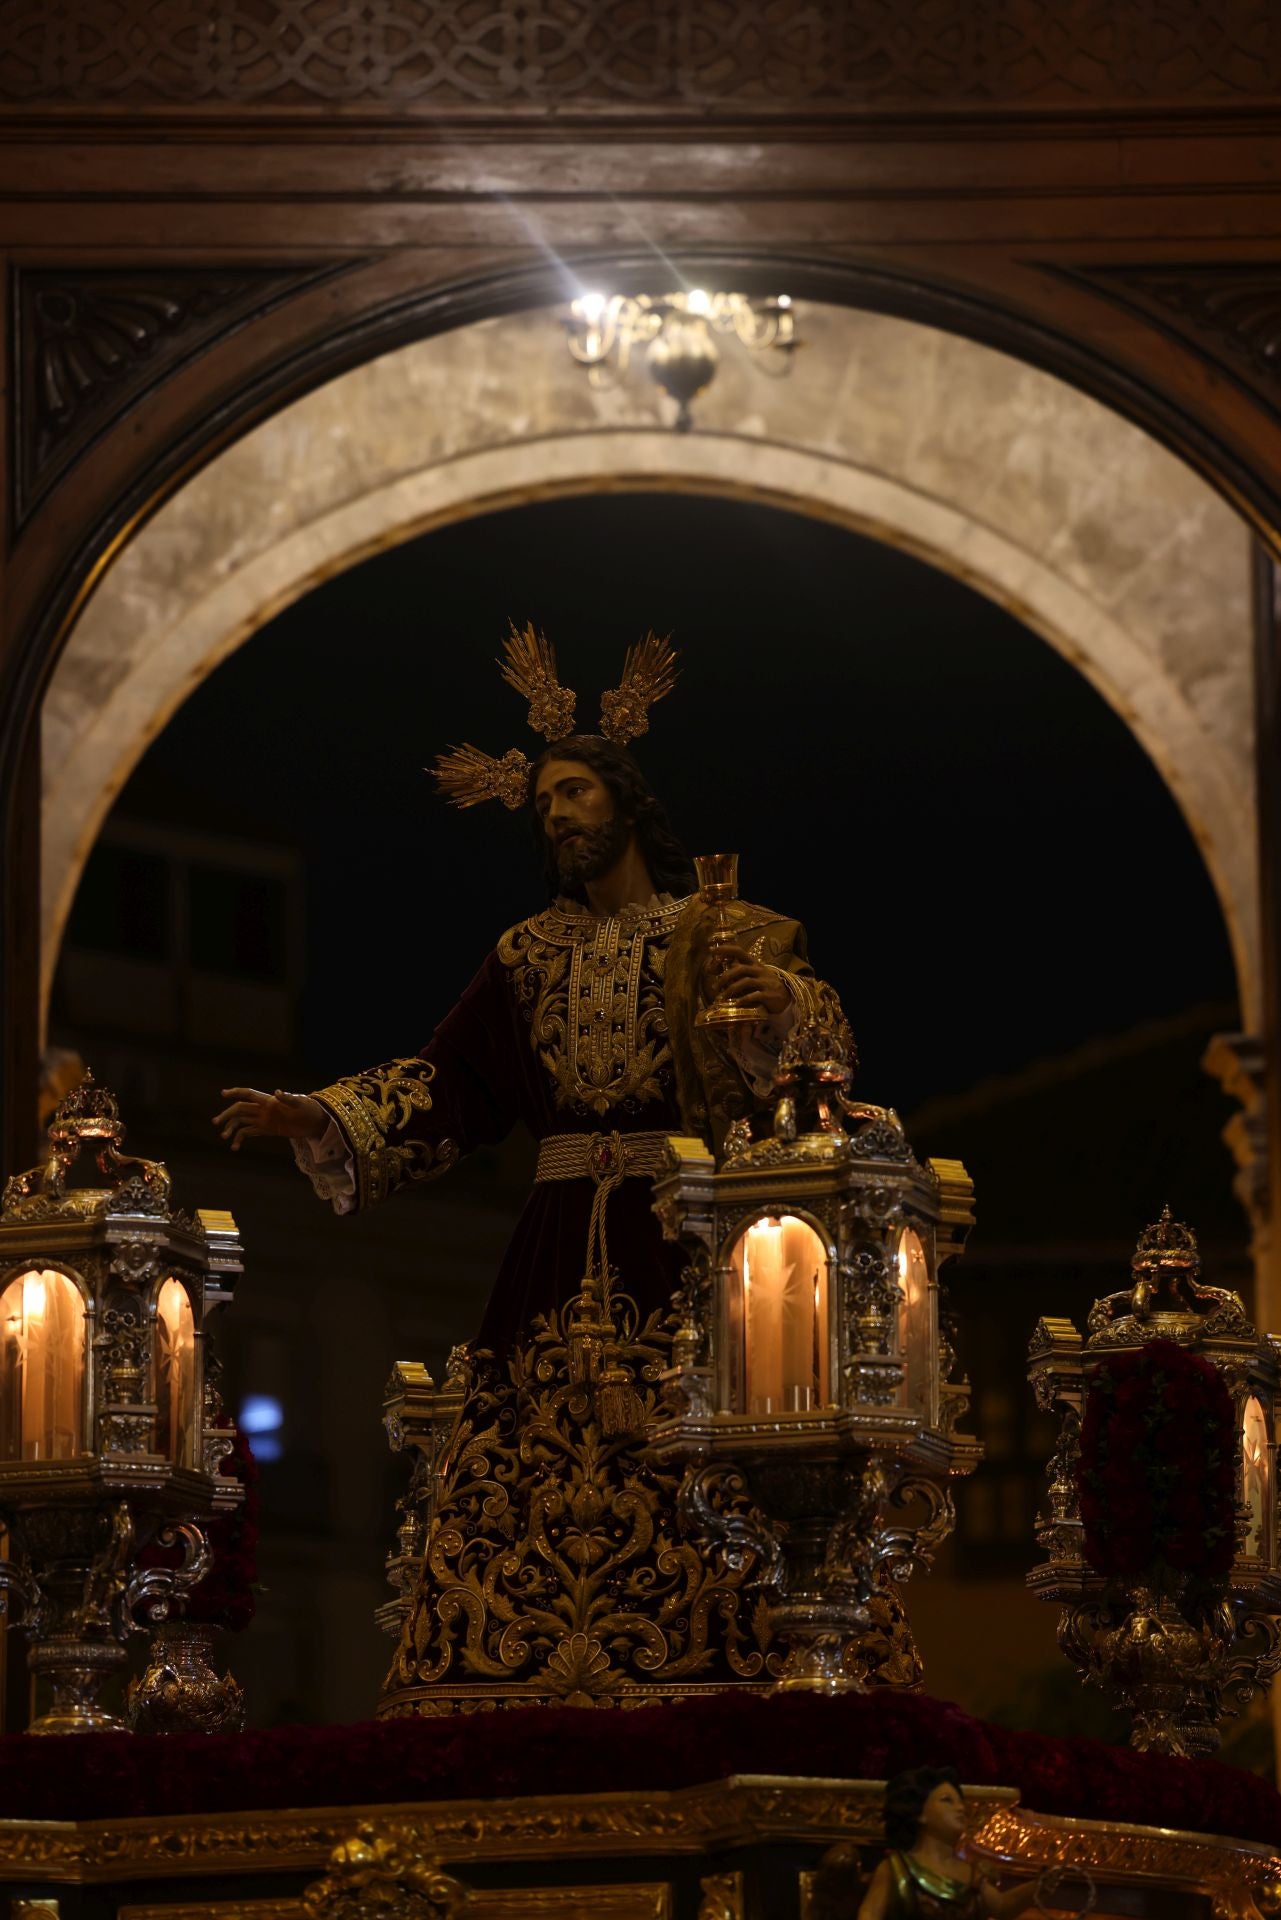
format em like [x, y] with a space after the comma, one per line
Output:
[572, 1025]
[488, 1078]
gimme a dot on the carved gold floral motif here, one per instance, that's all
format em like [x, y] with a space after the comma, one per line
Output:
[376, 1873]
[556, 1566]
[592, 991]
[375, 1110]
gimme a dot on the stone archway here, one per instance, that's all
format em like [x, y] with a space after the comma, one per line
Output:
[1099, 539]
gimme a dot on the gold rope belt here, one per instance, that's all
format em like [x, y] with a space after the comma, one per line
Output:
[602, 1157]
[608, 1159]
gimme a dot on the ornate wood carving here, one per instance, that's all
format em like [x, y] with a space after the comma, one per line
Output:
[89, 342]
[1229, 310]
[753, 56]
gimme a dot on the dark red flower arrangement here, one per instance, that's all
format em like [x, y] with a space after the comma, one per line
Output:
[227, 1596]
[1157, 1474]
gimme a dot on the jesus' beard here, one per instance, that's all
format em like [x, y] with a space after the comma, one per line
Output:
[593, 853]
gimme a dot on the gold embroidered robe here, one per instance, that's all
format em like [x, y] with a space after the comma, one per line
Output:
[574, 1024]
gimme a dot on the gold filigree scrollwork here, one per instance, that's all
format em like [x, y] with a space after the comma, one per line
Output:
[594, 1001]
[557, 1567]
[383, 1113]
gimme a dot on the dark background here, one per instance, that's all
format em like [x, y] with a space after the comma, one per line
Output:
[985, 858]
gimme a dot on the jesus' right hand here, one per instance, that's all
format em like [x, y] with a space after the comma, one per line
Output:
[294, 1116]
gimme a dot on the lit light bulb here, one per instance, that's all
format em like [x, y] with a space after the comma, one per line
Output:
[699, 301]
[784, 300]
[591, 306]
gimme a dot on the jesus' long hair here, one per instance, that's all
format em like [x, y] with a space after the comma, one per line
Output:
[670, 867]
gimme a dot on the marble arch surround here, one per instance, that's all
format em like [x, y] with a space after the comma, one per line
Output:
[1099, 539]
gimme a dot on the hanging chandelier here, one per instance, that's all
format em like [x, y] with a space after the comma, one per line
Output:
[677, 332]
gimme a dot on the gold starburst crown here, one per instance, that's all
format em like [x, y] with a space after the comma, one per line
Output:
[467, 776]
[1167, 1243]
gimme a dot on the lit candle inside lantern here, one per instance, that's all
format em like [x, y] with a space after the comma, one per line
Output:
[41, 1367]
[176, 1375]
[914, 1341]
[784, 1271]
[37, 1384]
[1254, 1450]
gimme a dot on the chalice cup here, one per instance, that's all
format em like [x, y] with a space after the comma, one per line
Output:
[717, 887]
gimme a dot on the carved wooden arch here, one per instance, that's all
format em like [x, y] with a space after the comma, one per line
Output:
[385, 323]
[262, 562]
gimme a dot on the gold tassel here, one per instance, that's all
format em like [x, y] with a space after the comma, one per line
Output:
[619, 1407]
[585, 1336]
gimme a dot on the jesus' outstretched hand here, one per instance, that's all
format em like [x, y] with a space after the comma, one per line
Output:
[292, 1116]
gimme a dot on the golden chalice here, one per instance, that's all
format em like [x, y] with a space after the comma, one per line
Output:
[717, 887]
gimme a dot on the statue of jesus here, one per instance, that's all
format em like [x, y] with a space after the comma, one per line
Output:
[554, 1561]
[580, 1024]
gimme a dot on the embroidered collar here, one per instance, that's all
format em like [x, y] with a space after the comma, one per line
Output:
[659, 907]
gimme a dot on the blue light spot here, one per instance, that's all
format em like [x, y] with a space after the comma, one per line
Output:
[266, 1446]
[261, 1413]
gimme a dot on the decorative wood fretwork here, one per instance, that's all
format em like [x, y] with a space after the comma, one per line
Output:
[749, 56]
[1229, 310]
[88, 343]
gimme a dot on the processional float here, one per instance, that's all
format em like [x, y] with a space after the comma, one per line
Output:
[795, 1448]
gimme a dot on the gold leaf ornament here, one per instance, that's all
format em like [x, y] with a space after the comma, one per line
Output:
[649, 673]
[467, 776]
[530, 667]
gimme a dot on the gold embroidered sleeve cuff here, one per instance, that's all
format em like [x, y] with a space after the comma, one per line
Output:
[386, 1117]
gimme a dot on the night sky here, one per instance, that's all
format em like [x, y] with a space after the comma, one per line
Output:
[974, 840]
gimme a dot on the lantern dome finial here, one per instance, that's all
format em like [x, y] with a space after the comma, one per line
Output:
[88, 1112]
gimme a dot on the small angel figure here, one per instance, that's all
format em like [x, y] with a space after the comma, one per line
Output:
[924, 1877]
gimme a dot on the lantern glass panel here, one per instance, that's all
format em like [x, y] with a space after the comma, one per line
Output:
[914, 1316]
[781, 1264]
[175, 1373]
[42, 1327]
[1255, 1471]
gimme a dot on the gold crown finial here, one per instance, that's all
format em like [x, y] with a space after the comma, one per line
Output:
[88, 1112]
[466, 776]
[1167, 1243]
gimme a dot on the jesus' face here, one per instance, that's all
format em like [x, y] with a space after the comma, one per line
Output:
[580, 819]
